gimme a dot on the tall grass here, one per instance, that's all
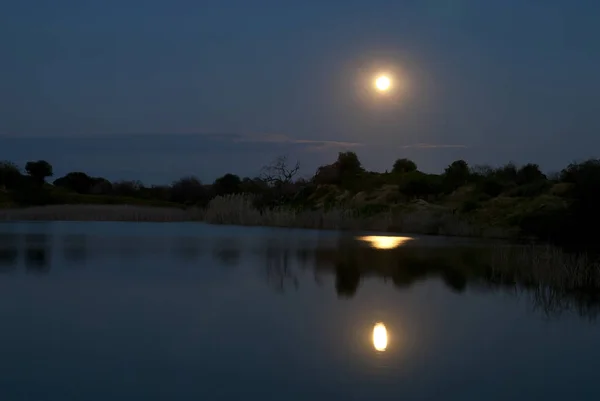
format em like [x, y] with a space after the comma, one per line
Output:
[546, 265]
[554, 281]
[240, 210]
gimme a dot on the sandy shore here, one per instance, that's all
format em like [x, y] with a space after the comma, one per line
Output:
[98, 213]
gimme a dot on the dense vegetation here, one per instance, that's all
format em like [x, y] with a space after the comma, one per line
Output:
[561, 207]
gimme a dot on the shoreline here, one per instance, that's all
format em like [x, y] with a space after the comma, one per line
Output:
[76, 212]
[417, 223]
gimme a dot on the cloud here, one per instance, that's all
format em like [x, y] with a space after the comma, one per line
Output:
[313, 145]
[432, 146]
[226, 137]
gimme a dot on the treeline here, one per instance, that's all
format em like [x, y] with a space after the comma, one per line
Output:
[577, 186]
[275, 184]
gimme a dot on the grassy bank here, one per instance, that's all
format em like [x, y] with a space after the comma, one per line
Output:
[415, 218]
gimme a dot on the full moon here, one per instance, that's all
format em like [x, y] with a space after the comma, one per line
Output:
[383, 83]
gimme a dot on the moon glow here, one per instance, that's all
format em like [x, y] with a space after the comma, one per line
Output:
[383, 83]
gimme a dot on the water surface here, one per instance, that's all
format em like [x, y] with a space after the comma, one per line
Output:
[150, 311]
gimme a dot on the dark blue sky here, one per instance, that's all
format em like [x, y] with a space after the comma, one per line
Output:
[158, 89]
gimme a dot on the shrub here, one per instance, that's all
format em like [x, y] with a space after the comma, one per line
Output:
[491, 187]
[530, 190]
[404, 166]
[469, 206]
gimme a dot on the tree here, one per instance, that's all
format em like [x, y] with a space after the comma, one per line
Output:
[10, 175]
[404, 166]
[508, 173]
[188, 190]
[228, 184]
[159, 192]
[254, 185]
[577, 223]
[279, 172]
[76, 181]
[529, 173]
[127, 188]
[328, 174]
[349, 164]
[456, 174]
[419, 185]
[39, 170]
[482, 171]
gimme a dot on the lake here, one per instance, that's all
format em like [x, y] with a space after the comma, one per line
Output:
[188, 311]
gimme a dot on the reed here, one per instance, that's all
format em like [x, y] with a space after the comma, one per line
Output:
[239, 210]
[546, 266]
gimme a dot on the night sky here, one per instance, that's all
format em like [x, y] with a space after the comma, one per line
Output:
[154, 90]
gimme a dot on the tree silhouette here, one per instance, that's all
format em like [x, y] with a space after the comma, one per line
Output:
[39, 170]
[228, 184]
[404, 166]
[76, 181]
[37, 253]
[279, 172]
[189, 190]
[349, 164]
[508, 173]
[529, 173]
[10, 175]
[456, 174]
[9, 251]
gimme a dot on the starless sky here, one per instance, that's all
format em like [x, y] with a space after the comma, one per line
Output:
[159, 89]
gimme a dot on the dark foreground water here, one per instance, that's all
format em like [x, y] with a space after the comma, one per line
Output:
[126, 311]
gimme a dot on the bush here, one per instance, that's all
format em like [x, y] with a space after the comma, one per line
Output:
[530, 190]
[404, 166]
[490, 187]
[553, 225]
[529, 173]
[371, 210]
[76, 181]
[419, 185]
[469, 206]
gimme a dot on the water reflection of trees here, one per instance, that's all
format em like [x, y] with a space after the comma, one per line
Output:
[37, 253]
[553, 281]
[347, 279]
[35, 249]
[75, 248]
[188, 249]
[9, 252]
[279, 269]
[227, 252]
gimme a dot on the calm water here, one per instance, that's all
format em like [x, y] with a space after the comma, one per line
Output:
[125, 311]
